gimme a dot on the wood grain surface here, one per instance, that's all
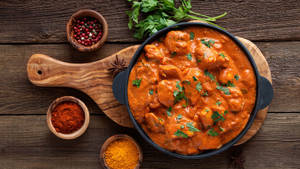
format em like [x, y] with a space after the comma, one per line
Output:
[29, 27]
[26, 143]
[44, 21]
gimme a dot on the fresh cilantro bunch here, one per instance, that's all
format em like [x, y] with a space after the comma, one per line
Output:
[150, 16]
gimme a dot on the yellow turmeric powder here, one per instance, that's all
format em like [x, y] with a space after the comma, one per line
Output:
[121, 154]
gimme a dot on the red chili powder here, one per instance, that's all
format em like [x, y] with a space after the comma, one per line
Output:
[67, 117]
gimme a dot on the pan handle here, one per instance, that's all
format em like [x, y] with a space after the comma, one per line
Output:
[119, 86]
[266, 92]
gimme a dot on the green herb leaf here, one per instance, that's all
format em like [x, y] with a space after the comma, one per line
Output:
[218, 103]
[189, 56]
[221, 129]
[205, 93]
[192, 35]
[195, 79]
[212, 132]
[191, 127]
[221, 54]
[211, 76]
[198, 60]
[182, 126]
[208, 43]
[136, 82]
[225, 112]
[179, 116]
[169, 111]
[180, 133]
[178, 86]
[187, 82]
[184, 105]
[216, 116]
[224, 89]
[151, 91]
[237, 77]
[229, 84]
[199, 87]
[149, 16]
[149, 5]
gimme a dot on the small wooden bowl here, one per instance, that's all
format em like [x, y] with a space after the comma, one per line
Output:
[76, 133]
[91, 13]
[114, 138]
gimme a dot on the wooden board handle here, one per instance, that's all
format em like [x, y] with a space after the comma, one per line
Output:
[43, 70]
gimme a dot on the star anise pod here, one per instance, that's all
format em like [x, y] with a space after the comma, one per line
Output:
[237, 160]
[118, 66]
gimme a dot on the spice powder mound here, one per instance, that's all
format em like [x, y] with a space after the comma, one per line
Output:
[67, 117]
[121, 154]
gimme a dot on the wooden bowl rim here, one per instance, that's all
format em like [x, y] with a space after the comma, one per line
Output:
[76, 133]
[118, 137]
[96, 15]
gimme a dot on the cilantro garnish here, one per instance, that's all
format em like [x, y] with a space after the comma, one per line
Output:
[136, 82]
[212, 132]
[191, 127]
[199, 87]
[180, 133]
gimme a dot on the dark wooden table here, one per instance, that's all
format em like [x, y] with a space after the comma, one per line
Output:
[28, 27]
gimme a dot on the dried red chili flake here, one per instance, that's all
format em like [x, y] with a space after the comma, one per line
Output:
[87, 30]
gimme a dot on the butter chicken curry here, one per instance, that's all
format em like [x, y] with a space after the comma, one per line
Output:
[192, 90]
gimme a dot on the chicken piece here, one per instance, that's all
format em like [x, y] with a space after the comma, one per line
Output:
[153, 52]
[177, 42]
[204, 116]
[209, 58]
[210, 142]
[226, 75]
[170, 71]
[236, 105]
[192, 84]
[248, 78]
[154, 123]
[165, 92]
[154, 102]
[147, 73]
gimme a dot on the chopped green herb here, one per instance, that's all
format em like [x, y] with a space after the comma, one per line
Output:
[223, 89]
[199, 87]
[206, 110]
[216, 116]
[169, 111]
[212, 132]
[173, 54]
[160, 119]
[205, 93]
[192, 35]
[187, 82]
[151, 91]
[237, 77]
[221, 129]
[180, 133]
[211, 76]
[198, 60]
[229, 84]
[225, 112]
[189, 56]
[208, 43]
[178, 86]
[191, 127]
[184, 105]
[195, 79]
[178, 96]
[182, 126]
[179, 116]
[221, 54]
[136, 82]
[218, 103]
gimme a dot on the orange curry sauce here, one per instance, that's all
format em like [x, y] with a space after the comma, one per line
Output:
[192, 90]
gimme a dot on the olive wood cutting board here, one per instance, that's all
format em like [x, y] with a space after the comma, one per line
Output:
[95, 80]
